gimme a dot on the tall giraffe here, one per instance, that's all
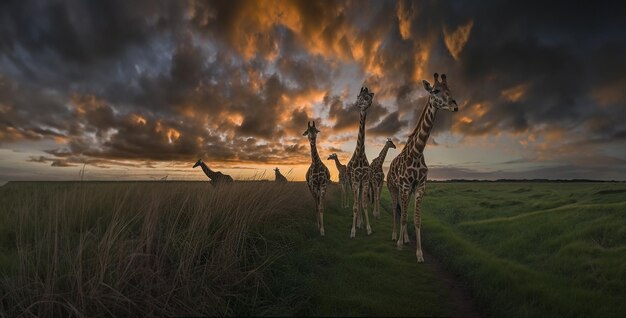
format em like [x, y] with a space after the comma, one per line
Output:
[344, 183]
[215, 176]
[358, 167]
[407, 173]
[279, 176]
[377, 176]
[317, 177]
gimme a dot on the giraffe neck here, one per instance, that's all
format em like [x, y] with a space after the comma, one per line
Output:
[418, 138]
[209, 173]
[360, 147]
[315, 157]
[383, 154]
[338, 164]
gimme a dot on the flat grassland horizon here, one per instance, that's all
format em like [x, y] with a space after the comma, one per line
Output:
[252, 248]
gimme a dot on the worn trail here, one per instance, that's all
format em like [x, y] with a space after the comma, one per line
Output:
[367, 275]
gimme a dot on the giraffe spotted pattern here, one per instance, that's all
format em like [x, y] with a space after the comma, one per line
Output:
[377, 176]
[358, 167]
[408, 171]
[317, 177]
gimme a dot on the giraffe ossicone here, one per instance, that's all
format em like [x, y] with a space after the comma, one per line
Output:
[408, 171]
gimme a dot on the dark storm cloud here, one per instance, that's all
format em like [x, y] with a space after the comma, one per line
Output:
[562, 66]
[237, 80]
[346, 115]
[389, 126]
[81, 31]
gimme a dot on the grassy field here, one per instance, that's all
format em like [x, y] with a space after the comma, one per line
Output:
[533, 249]
[175, 248]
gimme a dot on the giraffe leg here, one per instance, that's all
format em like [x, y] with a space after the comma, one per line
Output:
[394, 209]
[359, 217]
[404, 204]
[364, 198]
[419, 194]
[317, 210]
[348, 190]
[372, 193]
[321, 210]
[355, 210]
[343, 194]
[377, 191]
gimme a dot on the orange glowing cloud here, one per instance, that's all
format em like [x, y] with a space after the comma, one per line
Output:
[515, 93]
[138, 119]
[84, 103]
[421, 62]
[172, 135]
[405, 16]
[609, 94]
[456, 40]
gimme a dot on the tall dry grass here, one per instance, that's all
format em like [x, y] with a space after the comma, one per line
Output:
[136, 249]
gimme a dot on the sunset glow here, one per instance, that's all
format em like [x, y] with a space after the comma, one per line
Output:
[156, 86]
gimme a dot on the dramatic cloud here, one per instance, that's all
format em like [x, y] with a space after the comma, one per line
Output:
[153, 83]
[455, 40]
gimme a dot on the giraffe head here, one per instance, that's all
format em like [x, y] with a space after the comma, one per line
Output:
[390, 144]
[332, 157]
[311, 131]
[364, 100]
[276, 170]
[440, 96]
[199, 162]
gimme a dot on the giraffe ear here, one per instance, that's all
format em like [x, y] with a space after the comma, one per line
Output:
[427, 86]
[305, 133]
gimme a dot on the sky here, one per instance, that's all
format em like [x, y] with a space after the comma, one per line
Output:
[139, 90]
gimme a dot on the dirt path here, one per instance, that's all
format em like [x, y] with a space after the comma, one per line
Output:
[460, 298]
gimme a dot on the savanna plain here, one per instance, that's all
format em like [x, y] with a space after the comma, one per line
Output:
[519, 249]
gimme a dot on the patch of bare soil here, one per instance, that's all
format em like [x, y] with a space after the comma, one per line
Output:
[460, 298]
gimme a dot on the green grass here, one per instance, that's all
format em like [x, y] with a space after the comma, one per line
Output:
[167, 248]
[521, 249]
[556, 249]
[142, 249]
[364, 276]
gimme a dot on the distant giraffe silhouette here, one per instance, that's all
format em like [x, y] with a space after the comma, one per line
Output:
[279, 176]
[317, 177]
[344, 183]
[216, 177]
[407, 173]
[358, 167]
[377, 176]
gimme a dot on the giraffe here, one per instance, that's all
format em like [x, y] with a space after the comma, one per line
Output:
[215, 176]
[358, 168]
[317, 177]
[407, 173]
[344, 183]
[279, 176]
[377, 176]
